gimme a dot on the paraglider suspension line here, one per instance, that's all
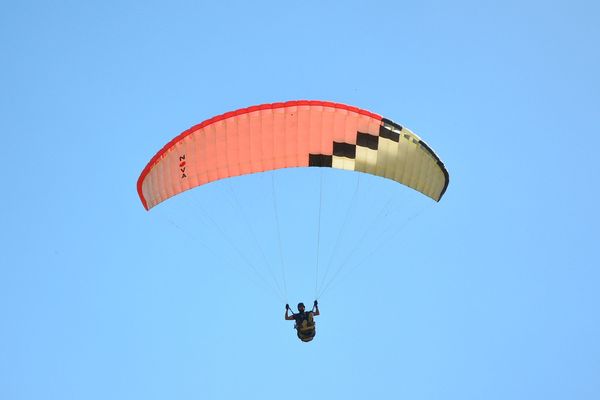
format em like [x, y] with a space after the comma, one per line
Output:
[278, 235]
[319, 234]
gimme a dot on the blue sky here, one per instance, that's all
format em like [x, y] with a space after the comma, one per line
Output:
[491, 293]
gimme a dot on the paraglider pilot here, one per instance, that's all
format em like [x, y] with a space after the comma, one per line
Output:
[305, 323]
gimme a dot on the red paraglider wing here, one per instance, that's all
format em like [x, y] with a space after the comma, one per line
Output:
[291, 134]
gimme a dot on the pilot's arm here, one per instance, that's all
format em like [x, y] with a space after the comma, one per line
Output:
[288, 317]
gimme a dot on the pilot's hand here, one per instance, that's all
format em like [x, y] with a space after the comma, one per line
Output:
[316, 303]
[287, 306]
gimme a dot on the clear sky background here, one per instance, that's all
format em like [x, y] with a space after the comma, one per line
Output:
[493, 293]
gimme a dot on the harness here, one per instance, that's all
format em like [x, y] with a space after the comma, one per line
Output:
[305, 328]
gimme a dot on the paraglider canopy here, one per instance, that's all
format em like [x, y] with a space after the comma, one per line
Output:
[292, 134]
